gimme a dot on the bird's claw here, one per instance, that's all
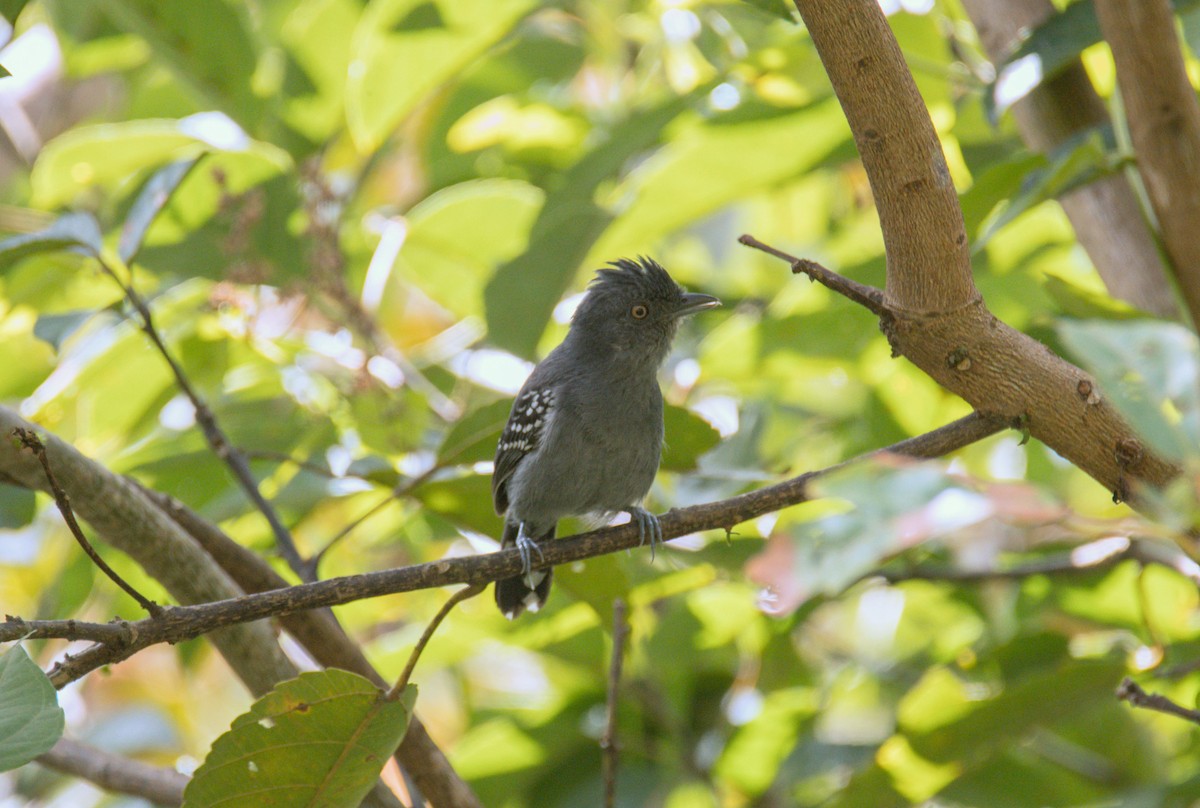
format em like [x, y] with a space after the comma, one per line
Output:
[527, 547]
[647, 523]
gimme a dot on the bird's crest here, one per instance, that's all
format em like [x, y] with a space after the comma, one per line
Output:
[645, 275]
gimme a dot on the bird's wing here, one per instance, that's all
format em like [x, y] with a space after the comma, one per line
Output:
[526, 424]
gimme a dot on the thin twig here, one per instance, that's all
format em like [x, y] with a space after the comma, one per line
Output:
[455, 599]
[401, 490]
[222, 447]
[608, 741]
[185, 622]
[868, 297]
[32, 442]
[1129, 691]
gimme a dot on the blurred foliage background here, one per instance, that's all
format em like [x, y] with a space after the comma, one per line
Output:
[387, 212]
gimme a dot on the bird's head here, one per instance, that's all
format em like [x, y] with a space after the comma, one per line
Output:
[632, 311]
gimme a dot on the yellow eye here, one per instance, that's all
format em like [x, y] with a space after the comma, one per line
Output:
[639, 312]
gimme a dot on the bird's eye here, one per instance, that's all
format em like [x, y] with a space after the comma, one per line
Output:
[639, 311]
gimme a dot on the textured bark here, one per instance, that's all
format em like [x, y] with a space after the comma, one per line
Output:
[918, 208]
[1107, 218]
[935, 316]
[115, 773]
[1164, 125]
[127, 520]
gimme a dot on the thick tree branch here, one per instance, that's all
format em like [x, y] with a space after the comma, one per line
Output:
[125, 519]
[928, 259]
[1107, 218]
[1164, 124]
[185, 622]
[935, 316]
[115, 773]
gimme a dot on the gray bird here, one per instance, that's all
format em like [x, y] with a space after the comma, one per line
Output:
[585, 433]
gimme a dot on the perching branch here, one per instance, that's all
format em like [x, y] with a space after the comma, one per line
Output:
[30, 441]
[180, 623]
[121, 514]
[222, 447]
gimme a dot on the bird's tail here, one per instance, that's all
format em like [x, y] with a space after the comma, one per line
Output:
[515, 595]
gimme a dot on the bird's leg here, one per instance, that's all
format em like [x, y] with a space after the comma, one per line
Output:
[528, 547]
[647, 524]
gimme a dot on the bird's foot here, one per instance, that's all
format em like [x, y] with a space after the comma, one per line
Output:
[527, 547]
[647, 526]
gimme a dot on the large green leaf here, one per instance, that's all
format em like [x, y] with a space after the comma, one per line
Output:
[696, 174]
[108, 156]
[74, 230]
[320, 739]
[210, 49]
[498, 215]
[1083, 158]
[522, 294]
[154, 196]
[1037, 701]
[404, 49]
[687, 437]
[30, 719]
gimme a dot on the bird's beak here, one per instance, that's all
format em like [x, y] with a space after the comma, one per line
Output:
[694, 302]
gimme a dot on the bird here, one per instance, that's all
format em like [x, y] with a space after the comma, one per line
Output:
[585, 433]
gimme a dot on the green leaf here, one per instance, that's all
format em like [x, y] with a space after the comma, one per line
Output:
[209, 49]
[687, 437]
[1150, 371]
[404, 49]
[523, 293]
[30, 719]
[1036, 701]
[319, 739]
[498, 214]
[1048, 49]
[475, 435]
[11, 9]
[825, 555]
[17, 506]
[155, 195]
[107, 156]
[1082, 158]
[73, 230]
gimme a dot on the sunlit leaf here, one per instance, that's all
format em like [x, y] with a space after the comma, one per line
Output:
[319, 739]
[71, 231]
[30, 719]
[522, 294]
[403, 49]
[155, 195]
[687, 437]
[209, 48]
